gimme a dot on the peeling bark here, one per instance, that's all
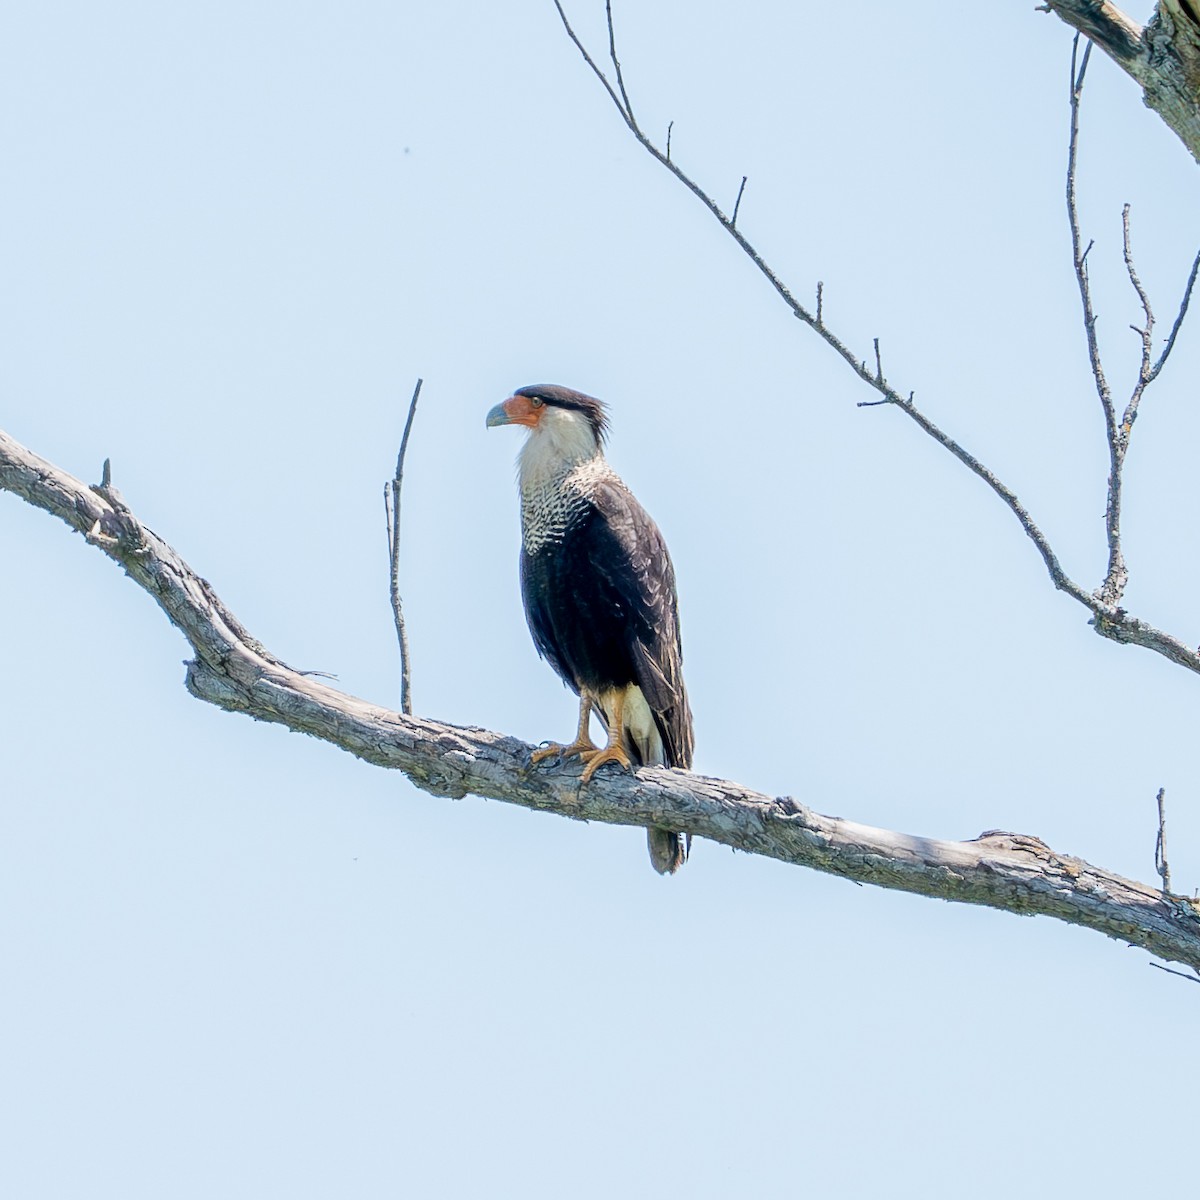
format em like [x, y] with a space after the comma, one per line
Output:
[1163, 56]
[1008, 871]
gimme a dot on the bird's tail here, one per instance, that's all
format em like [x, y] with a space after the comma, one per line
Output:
[668, 851]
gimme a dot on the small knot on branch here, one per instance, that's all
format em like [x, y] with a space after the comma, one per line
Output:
[106, 491]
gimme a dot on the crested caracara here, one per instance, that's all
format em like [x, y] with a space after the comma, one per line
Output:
[599, 593]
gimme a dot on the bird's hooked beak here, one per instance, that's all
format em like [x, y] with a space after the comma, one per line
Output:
[516, 410]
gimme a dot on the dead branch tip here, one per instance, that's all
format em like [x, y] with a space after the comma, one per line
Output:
[391, 501]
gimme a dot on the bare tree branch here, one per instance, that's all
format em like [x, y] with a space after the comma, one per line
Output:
[1108, 618]
[1163, 56]
[230, 669]
[391, 504]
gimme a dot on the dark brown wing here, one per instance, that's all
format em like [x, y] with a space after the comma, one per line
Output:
[629, 557]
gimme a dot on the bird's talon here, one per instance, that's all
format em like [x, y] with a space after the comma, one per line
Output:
[584, 750]
[607, 755]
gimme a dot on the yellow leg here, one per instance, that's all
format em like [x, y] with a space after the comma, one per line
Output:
[612, 752]
[582, 745]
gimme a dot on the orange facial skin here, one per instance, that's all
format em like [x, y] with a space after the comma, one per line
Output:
[517, 410]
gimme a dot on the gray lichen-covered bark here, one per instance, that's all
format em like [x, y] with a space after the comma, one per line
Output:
[1162, 56]
[230, 669]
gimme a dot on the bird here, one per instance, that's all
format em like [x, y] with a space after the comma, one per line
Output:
[599, 592]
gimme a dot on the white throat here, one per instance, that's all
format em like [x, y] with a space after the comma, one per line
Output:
[557, 469]
[561, 441]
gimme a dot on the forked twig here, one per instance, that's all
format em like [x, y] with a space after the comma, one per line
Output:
[391, 505]
[616, 62]
[1117, 434]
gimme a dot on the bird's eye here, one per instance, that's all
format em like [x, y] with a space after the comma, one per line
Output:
[536, 401]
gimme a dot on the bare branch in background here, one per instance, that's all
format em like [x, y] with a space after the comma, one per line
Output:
[1006, 871]
[391, 504]
[1108, 619]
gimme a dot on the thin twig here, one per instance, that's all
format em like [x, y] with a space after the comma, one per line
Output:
[1183, 307]
[1147, 331]
[612, 53]
[1080, 256]
[670, 126]
[820, 303]
[1160, 845]
[738, 202]
[1172, 971]
[1122, 436]
[878, 364]
[391, 497]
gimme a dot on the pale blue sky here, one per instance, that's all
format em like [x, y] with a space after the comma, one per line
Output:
[239, 963]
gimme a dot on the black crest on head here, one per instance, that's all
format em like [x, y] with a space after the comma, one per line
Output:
[565, 397]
